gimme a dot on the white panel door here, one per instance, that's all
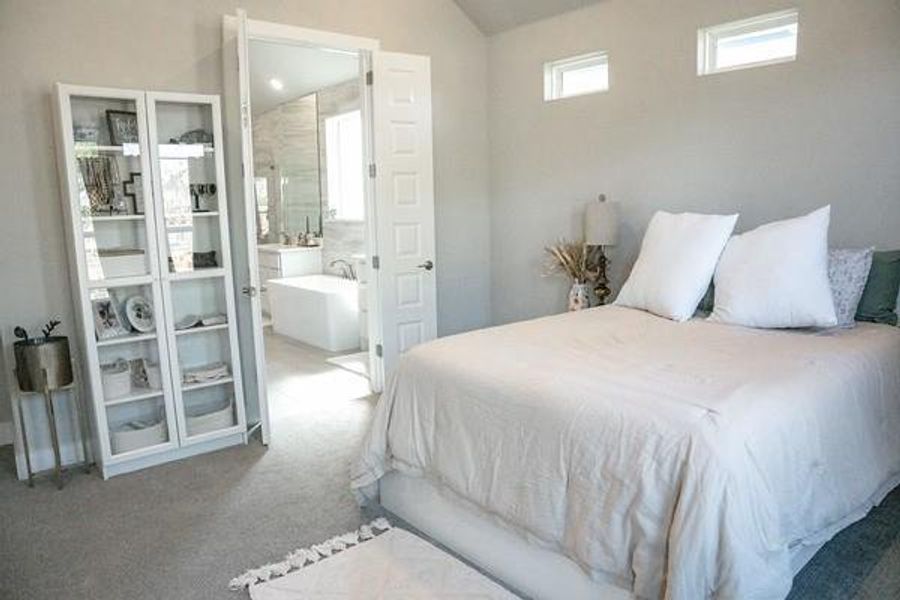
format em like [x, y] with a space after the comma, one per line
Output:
[404, 192]
[254, 287]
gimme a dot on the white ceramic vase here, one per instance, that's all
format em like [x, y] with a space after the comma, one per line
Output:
[579, 297]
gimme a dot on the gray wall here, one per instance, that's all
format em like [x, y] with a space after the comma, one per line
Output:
[769, 142]
[173, 45]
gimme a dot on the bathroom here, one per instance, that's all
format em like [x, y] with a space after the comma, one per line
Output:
[308, 161]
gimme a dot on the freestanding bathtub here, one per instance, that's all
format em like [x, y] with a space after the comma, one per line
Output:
[319, 310]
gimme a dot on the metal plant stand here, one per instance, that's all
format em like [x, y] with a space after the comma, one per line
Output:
[43, 366]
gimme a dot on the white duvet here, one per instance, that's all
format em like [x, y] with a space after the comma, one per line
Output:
[679, 460]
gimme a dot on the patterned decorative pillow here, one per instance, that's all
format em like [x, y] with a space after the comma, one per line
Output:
[848, 271]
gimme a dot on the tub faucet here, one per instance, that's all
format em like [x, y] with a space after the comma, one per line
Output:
[347, 270]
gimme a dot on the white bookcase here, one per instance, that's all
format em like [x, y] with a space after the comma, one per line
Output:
[143, 190]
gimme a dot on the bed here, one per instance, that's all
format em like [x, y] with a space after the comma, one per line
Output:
[612, 452]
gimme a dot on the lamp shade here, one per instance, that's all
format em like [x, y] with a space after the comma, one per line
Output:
[601, 224]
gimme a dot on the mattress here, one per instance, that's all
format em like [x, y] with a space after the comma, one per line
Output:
[677, 460]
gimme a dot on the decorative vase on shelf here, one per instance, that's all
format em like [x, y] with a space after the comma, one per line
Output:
[578, 297]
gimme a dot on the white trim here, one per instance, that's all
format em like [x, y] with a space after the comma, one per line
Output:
[707, 37]
[373, 281]
[290, 34]
[555, 69]
[248, 187]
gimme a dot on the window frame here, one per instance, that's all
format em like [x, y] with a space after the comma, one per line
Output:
[555, 69]
[707, 38]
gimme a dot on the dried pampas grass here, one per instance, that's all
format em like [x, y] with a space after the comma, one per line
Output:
[570, 259]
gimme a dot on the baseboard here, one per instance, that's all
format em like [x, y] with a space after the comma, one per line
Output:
[6, 433]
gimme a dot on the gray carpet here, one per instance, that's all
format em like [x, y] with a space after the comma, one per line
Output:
[182, 530]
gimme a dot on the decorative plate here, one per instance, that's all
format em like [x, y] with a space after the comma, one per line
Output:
[139, 313]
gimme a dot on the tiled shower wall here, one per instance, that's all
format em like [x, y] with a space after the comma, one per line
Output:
[285, 142]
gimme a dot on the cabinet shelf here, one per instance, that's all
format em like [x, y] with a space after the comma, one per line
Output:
[198, 274]
[127, 339]
[201, 329]
[185, 151]
[134, 397]
[89, 149]
[190, 387]
[120, 282]
[114, 218]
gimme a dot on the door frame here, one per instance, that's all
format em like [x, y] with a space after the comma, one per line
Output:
[301, 36]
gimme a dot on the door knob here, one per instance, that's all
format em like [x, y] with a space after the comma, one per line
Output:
[427, 265]
[248, 290]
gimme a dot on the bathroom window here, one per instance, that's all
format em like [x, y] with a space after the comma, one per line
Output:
[575, 76]
[262, 207]
[764, 40]
[344, 166]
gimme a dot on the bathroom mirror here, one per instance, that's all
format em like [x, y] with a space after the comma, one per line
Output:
[307, 140]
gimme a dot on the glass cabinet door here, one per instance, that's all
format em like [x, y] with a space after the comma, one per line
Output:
[114, 225]
[193, 240]
[185, 155]
[110, 169]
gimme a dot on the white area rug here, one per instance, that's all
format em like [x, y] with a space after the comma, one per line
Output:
[394, 565]
[357, 363]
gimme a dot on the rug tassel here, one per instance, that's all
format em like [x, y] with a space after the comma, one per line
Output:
[302, 557]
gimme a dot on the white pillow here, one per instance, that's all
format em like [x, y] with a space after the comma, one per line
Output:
[777, 276]
[677, 260]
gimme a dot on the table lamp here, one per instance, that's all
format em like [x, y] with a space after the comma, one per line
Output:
[601, 228]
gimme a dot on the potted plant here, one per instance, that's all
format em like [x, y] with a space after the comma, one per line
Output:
[42, 363]
[571, 259]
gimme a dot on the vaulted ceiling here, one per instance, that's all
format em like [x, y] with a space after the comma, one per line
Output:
[494, 16]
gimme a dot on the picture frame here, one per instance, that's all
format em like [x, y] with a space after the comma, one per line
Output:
[107, 319]
[133, 188]
[123, 127]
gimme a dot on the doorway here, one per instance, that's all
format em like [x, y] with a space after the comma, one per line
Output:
[288, 232]
[309, 162]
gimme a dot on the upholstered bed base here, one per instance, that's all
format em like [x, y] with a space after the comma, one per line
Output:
[528, 568]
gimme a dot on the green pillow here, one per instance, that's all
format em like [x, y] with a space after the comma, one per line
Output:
[707, 303]
[879, 299]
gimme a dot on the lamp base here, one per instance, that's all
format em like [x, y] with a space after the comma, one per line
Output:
[599, 263]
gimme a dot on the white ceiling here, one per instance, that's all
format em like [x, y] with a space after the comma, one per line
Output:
[494, 16]
[302, 70]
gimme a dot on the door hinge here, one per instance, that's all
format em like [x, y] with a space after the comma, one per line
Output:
[379, 350]
[376, 262]
[372, 170]
[370, 77]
